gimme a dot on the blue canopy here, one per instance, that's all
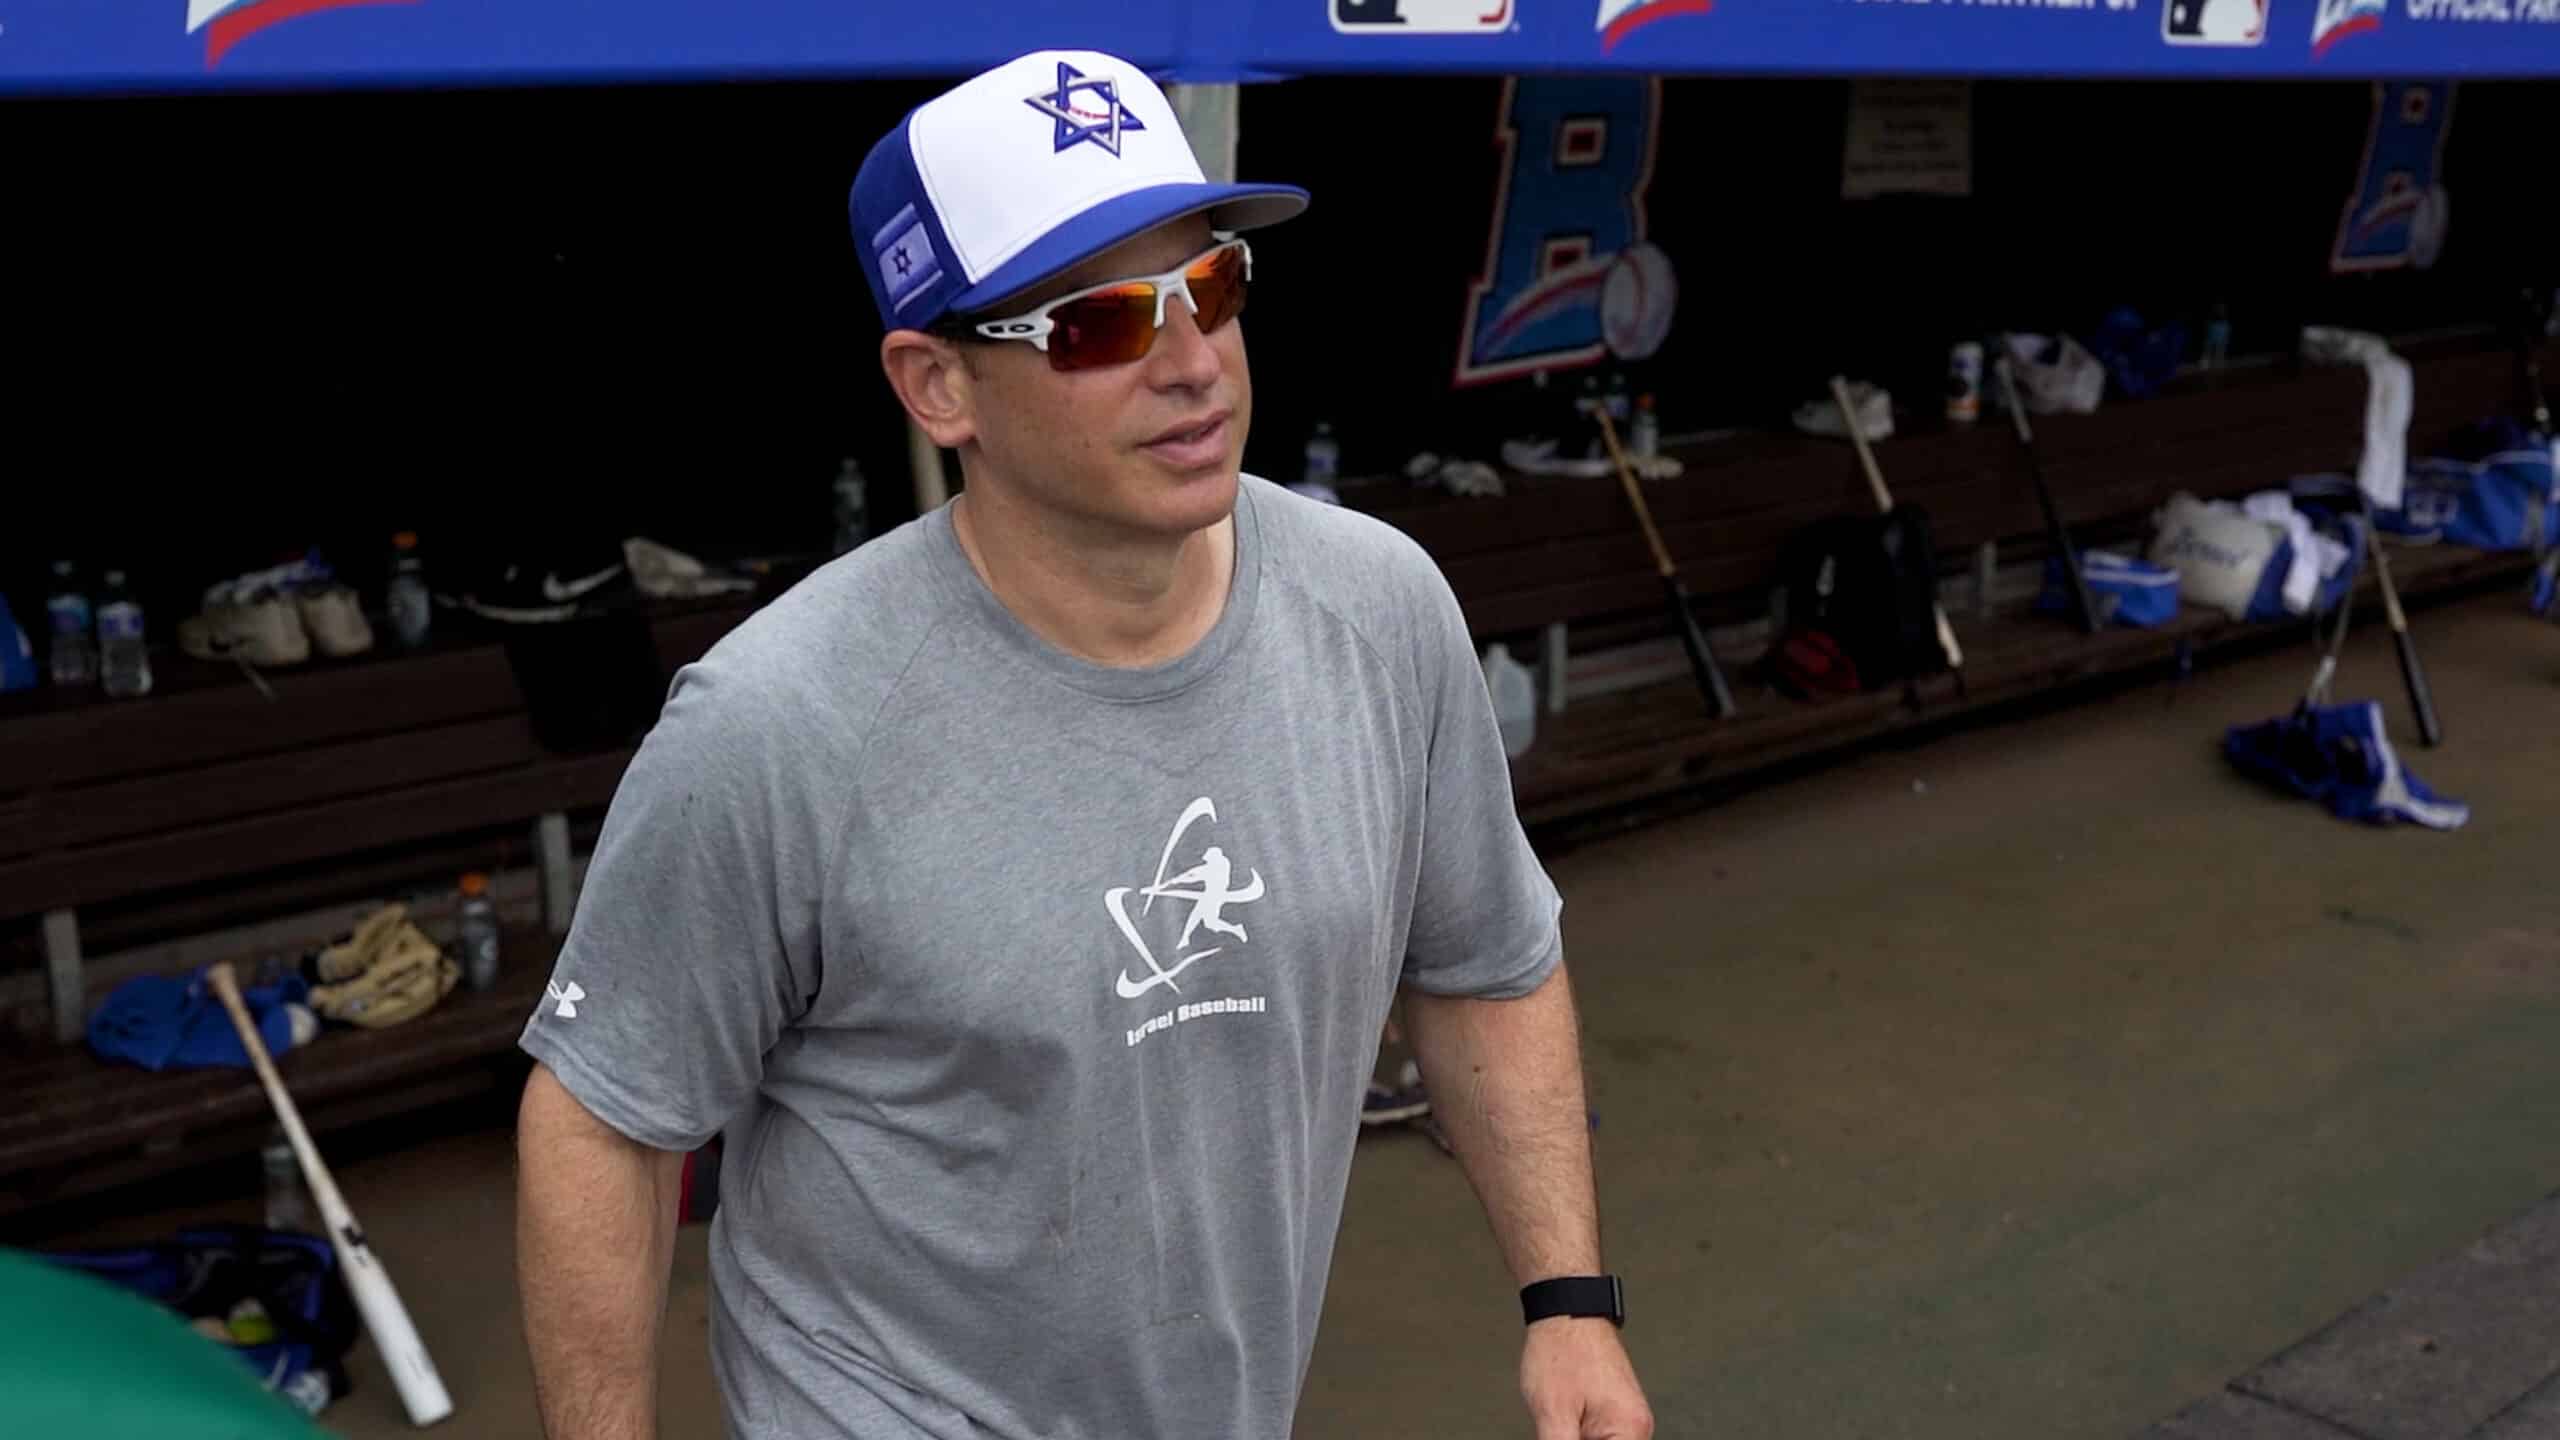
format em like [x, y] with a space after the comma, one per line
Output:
[88, 45]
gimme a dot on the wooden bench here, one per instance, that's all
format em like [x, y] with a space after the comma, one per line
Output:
[1565, 551]
[206, 803]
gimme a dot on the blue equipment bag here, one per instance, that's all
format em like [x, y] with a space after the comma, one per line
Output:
[2127, 591]
[2509, 501]
[275, 1294]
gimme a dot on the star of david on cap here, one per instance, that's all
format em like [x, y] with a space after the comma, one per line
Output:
[1078, 124]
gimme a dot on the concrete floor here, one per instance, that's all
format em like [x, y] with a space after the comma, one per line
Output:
[2034, 1102]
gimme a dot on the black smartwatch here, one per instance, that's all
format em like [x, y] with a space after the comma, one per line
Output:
[1597, 1295]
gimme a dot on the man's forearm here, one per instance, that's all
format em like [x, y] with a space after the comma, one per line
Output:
[595, 1231]
[1505, 1078]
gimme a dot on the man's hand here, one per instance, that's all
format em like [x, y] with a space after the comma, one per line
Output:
[1579, 1383]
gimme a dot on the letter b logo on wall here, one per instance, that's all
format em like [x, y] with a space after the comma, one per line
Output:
[2399, 212]
[1568, 229]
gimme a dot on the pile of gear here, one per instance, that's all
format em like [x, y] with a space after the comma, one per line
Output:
[383, 973]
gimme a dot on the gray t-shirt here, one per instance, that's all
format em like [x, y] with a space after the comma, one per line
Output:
[1037, 998]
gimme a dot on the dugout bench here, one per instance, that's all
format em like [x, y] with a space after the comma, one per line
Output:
[1557, 568]
[209, 804]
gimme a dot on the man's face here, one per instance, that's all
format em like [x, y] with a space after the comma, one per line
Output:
[1152, 445]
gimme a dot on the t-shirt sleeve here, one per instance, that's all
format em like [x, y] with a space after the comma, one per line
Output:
[1486, 917]
[696, 936]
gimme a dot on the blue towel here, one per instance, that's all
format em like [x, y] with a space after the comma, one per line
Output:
[2339, 756]
[172, 1022]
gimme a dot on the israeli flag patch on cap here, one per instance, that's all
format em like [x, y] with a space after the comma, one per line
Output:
[908, 265]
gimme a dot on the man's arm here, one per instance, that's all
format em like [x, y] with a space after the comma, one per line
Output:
[595, 1234]
[1505, 1078]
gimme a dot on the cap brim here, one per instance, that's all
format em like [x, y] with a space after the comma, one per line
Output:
[1229, 208]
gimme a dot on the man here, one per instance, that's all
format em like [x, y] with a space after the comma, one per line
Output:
[1023, 893]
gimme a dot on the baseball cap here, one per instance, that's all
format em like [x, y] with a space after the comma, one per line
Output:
[1023, 172]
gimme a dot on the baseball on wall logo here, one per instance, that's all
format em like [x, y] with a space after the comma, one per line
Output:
[228, 22]
[2214, 22]
[1422, 17]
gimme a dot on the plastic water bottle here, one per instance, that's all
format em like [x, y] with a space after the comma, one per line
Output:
[1515, 699]
[412, 609]
[287, 1206]
[853, 508]
[1324, 456]
[122, 661]
[2217, 339]
[479, 933]
[1644, 433]
[75, 648]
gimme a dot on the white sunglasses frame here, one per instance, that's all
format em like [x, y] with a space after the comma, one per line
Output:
[1035, 326]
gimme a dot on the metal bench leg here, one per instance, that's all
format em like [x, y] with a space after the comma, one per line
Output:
[1986, 576]
[66, 984]
[559, 878]
[1551, 663]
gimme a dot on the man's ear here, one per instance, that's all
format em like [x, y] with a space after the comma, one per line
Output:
[934, 383]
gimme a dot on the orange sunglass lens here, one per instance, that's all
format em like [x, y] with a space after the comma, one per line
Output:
[1218, 284]
[1111, 328]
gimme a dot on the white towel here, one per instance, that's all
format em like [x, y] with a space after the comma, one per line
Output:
[2390, 393]
[2315, 556]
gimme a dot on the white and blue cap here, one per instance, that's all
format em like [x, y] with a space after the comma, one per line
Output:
[1024, 172]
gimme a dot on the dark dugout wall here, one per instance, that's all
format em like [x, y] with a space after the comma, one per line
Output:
[239, 326]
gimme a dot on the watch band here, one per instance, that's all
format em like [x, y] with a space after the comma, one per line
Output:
[1598, 1295]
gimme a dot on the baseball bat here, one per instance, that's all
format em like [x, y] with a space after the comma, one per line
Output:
[2327, 670]
[1702, 661]
[2055, 533]
[1884, 504]
[2422, 701]
[413, 1371]
[2537, 404]
[2531, 318]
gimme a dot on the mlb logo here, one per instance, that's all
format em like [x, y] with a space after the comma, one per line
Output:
[2214, 22]
[2338, 19]
[1421, 17]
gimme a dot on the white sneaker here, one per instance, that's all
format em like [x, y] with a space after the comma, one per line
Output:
[1873, 404]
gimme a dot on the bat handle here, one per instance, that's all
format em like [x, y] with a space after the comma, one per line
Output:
[1702, 661]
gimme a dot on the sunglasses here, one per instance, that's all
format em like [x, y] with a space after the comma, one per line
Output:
[1116, 322]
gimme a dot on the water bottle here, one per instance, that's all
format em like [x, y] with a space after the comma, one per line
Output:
[122, 661]
[479, 933]
[853, 508]
[1324, 456]
[287, 1207]
[2217, 339]
[1644, 434]
[75, 648]
[412, 610]
[1515, 698]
